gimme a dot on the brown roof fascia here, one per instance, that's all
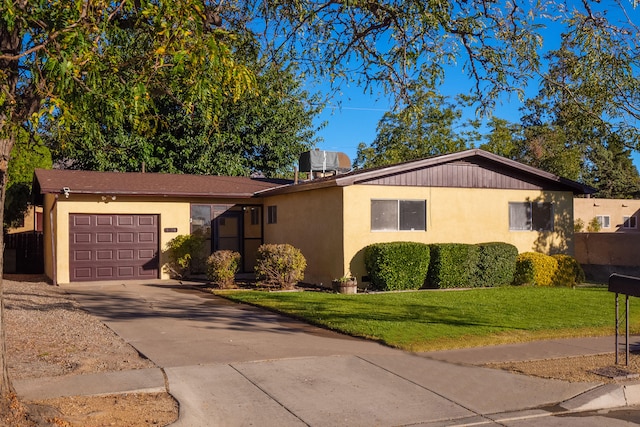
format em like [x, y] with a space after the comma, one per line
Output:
[364, 175]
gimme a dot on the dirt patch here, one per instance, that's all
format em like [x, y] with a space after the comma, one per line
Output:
[48, 335]
[577, 369]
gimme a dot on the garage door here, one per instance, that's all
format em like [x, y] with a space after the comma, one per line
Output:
[113, 247]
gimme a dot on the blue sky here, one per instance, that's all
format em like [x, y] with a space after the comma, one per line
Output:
[352, 116]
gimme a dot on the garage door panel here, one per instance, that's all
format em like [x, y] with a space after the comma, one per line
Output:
[126, 237]
[82, 238]
[82, 273]
[80, 255]
[146, 220]
[124, 220]
[104, 220]
[125, 254]
[104, 238]
[146, 237]
[127, 271]
[104, 255]
[113, 247]
[81, 220]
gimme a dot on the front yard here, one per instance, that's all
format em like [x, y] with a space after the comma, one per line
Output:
[436, 320]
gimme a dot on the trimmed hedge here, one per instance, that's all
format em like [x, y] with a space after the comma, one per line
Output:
[569, 273]
[533, 268]
[397, 265]
[453, 265]
[496, 264]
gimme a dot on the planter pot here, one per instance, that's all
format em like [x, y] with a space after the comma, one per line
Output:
[348, 287]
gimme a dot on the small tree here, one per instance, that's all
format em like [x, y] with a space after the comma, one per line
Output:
[280, 264]
[594, 225]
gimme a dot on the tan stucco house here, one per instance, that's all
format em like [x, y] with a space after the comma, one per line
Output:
[115, 226]
[613, 248]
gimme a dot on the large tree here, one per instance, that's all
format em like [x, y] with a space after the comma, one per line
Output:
[261, 132]
[60, 59]
[574, 127]
[427, 127]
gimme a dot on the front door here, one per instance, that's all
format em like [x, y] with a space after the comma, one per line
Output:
[227, 231]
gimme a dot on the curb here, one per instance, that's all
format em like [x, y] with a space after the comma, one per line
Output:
[149, 380]
[606, 396]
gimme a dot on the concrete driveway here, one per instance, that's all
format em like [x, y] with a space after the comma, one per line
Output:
[235, 365]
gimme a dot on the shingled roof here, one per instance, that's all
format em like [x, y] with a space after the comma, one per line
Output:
[149, 184]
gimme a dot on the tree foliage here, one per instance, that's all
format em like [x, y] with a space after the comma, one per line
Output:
[426, 127]
[263, 131]
[28, 155]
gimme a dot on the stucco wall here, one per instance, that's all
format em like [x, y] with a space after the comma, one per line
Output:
[619, 249]
[172, 213]
[332, 238]
[615, 209]
[312, 221]
[456, 215]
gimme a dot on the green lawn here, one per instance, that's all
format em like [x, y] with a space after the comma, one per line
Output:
[432, 320]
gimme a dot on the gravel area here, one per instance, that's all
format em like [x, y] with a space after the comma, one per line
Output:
[48, 335]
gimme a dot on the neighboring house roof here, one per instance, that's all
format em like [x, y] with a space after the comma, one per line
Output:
[465, 169]
[149, 184]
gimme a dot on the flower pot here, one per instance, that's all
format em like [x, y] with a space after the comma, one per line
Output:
[345, 287]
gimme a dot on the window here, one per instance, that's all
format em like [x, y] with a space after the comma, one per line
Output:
[272, 214]
[629, 222]
[604, 221]
[531, 216]
[394, 215]
[255, 216]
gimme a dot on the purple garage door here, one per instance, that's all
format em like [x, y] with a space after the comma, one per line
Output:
[113, 247]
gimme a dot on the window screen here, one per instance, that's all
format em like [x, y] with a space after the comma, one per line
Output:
[531, 216]
[394, 215]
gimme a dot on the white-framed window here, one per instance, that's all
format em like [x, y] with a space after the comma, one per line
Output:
[272, 214]
[604, 221]
[398, 215]
[530, 216]
[629, 222]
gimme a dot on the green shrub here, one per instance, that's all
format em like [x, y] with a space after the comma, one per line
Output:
[453, 265]
[496, 264]
[569, 271]
[222, 267]
[280, 264]
[397, 265]
[185, 254]
[533, 268]
[594, 225]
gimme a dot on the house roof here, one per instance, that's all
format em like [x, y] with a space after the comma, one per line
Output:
[514, 171]
[503, 173]
[149, 184]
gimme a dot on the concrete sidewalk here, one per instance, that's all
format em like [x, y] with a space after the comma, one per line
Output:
[231, 365]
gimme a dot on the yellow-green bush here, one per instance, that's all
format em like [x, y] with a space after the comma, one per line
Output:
[533, 268]
[185, 253]
[281, 264]
[569, 271]
[222, 267]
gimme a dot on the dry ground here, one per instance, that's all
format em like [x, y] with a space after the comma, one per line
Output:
[49, 335]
